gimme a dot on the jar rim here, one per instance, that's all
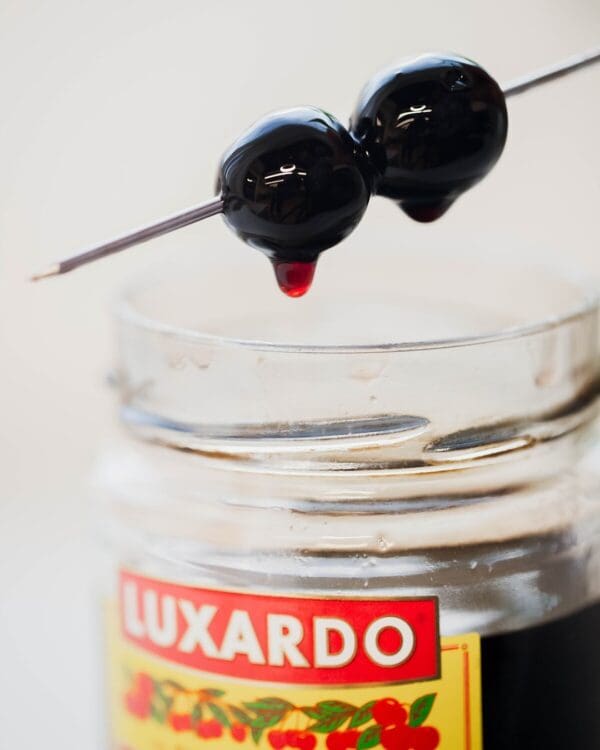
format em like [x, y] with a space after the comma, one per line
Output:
[588, 303]
[407, 405]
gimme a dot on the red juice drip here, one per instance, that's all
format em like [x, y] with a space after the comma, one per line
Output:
[295, 278]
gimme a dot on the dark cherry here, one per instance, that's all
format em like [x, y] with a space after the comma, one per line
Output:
[293, 185]
[432, 126]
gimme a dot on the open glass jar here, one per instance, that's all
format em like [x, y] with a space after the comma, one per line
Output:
[363, 519]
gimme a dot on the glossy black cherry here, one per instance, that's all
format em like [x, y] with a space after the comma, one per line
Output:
[432, 126]
[293, 185]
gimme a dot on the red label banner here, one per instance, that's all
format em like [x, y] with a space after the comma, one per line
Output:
[282, 639]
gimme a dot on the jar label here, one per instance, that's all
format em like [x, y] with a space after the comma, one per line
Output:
[191, 663]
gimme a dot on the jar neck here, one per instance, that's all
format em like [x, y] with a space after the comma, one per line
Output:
[227, 507]
[395, 457]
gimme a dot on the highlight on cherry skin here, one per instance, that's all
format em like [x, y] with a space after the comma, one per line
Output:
[432, 126]
[294, 185]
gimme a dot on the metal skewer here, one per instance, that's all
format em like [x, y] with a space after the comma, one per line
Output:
[216, 205]
[175, 221]
[552, 72]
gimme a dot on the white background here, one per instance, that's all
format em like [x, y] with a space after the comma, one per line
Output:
[115, 112]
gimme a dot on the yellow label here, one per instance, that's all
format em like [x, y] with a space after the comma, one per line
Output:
[158, 705]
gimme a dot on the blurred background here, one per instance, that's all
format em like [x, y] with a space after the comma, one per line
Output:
[115, 113]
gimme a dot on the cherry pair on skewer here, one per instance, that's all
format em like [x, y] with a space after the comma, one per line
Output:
[298, 182]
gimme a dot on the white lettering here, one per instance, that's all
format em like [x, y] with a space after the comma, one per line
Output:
[131, 615]
[285, 632]
[197, 621]
[371, 641]
[163, 635]
[322, 627]
[207, 630]
[240, 638]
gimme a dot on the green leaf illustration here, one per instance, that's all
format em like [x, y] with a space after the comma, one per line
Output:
[311, 712]
[219, 714]
[329, 724]
[269, 704]
[335, 707]
[420, 709]
[362, 715]
[158, 714]
[239, 715]
[329, 715]
[263, 721]
[369, 738]
[166, 699]
[174, 685]
[257, 733]
[197, 713]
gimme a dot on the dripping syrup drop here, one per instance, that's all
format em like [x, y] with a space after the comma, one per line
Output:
[424, 211]
[294, 278]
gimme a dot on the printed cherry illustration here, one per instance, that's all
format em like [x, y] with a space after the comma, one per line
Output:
[395, 737]
[342, 740]
[294, 185]
[388, 711]
[144, 684]
[306, 741]
[277, 739]
[238, 732]
[209, 729]
[180, 722]
[433, 126]
[138, 699]
[138, 705]
[300, 739]
[403, 737]
[426, 738]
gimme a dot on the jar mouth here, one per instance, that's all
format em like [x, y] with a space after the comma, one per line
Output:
[490, 362]
[569, 297]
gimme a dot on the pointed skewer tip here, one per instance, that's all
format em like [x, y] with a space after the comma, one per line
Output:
[52, 270]
[169, 224]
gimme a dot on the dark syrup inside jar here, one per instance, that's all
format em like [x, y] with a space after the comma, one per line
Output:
[541, 685]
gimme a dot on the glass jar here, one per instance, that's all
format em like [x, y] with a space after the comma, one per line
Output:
[368, 518]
